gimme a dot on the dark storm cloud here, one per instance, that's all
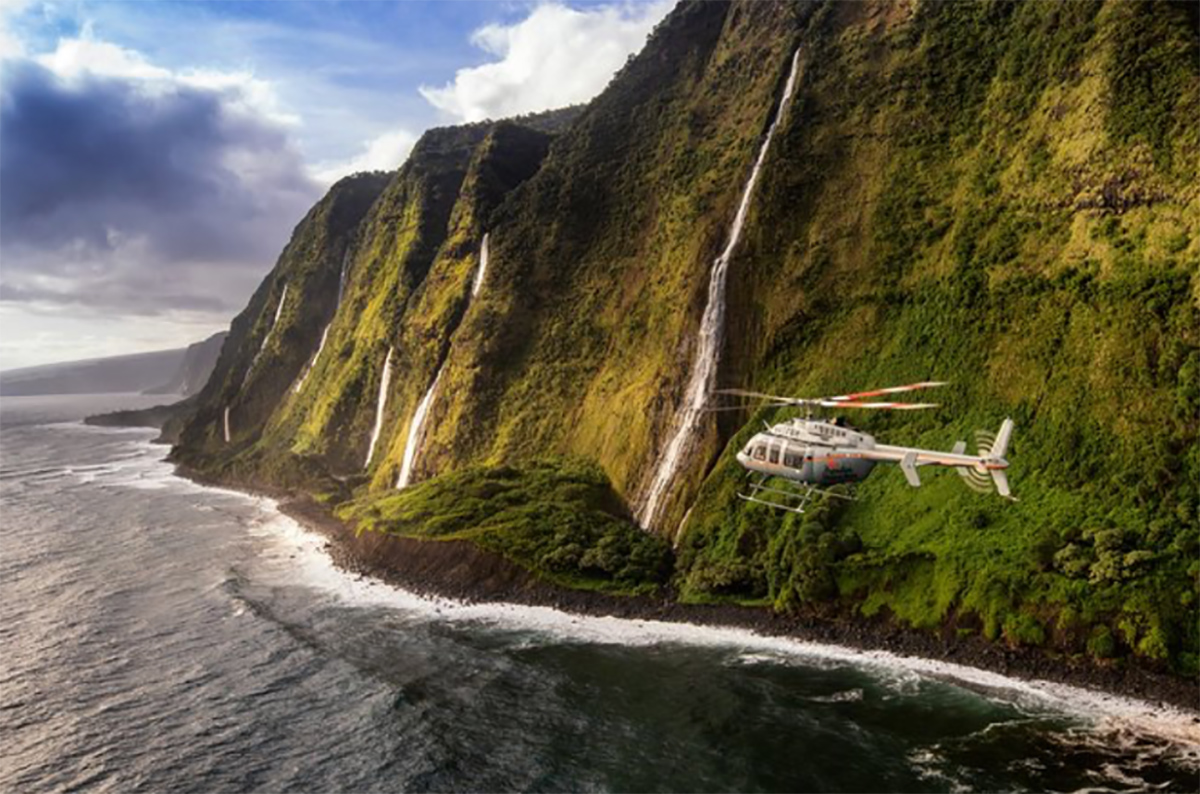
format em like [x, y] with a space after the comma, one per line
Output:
[139, 196]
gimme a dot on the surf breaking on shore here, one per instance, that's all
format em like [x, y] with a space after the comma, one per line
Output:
[318, 569]
[1106, 710]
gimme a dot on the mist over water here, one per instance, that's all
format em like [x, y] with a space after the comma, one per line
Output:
[161, 636]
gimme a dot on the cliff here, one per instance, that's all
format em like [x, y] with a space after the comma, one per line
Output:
[199, 359]
[1002, 195]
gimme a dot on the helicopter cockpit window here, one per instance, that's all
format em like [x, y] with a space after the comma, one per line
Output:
[774, 453]
[759, 453]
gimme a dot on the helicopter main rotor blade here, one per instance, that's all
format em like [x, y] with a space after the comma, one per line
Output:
[929, 384]
[881, 406]
[841, 401]
[750, 406]
[760, 396]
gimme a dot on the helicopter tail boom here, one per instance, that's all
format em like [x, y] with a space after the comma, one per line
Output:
[983, 472]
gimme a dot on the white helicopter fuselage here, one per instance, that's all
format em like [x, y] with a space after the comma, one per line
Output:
[822, 453]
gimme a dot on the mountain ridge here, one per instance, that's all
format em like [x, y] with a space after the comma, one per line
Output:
[180, 371]
[996, 194]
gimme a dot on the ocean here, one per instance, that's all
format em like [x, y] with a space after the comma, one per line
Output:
[162, 636]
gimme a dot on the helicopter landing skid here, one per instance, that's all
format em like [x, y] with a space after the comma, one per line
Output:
[793, 501]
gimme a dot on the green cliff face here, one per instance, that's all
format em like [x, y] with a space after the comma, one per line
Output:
[270, 341]
[1002, 195]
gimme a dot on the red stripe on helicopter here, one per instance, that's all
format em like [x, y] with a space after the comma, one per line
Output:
[891, 390]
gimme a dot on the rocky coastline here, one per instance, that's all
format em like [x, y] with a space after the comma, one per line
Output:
[459, 571]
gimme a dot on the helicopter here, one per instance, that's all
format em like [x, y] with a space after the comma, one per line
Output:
[815, 454]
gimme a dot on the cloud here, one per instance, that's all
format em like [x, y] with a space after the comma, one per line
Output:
[132, 189]
[556, 56]
[384, 153]
[11, 45]
[85, 56]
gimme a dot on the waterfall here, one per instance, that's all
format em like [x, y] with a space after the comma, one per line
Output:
[415, 430]
[313, 361]
[384, 382]
[712, 332]
[226, 424]
[278, 311]
[325, 333]
[342, 277]
[483, 263]
[267, 336]
[412, 445]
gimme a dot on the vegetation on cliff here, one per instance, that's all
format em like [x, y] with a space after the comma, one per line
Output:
[1010, 204]
[1003, 195]
[559, 519]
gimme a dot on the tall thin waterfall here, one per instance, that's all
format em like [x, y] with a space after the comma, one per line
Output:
[342, 276]
[384, 382]
[483, 263]
[416, 429]
[312, 362]
[226, 418]
[267, 336]
[412, 444]
[712, 333]
[278, 311]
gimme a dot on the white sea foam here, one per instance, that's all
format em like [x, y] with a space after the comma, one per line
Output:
[1107, 713]
[1112, 718]
[703, 378]
[81, 427]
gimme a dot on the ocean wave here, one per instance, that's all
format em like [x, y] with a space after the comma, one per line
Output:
[1110, 717]
[1106, 713]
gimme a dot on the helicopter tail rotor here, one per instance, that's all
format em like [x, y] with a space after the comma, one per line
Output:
[991, 447]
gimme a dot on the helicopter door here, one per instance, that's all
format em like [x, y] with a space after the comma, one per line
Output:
[773, 451]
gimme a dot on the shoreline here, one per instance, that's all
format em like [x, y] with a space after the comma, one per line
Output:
[459, 571]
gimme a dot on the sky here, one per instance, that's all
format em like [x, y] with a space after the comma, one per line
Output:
[155, 156]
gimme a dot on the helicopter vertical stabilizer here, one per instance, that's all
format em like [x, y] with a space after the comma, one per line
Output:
[999, 449]
[1000, 445]
[1001, 480]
